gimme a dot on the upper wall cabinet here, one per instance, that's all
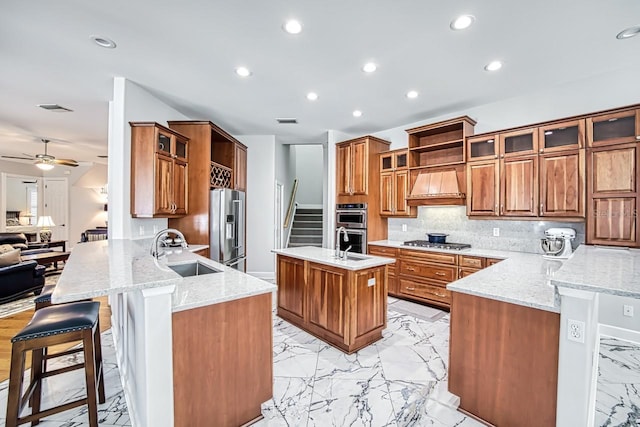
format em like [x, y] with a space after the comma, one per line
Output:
[614, 128]
[353, 167]
[394, 185]
[159, 171]
[439, 144]
[561, 136]
[517, 143]
[483, 147]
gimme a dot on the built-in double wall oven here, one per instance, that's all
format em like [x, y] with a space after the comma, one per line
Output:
[353, 217]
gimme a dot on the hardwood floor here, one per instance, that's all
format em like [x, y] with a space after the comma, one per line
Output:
[9, 326]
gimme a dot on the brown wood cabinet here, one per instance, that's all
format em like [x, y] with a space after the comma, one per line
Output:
[159, 171]
[394, 185]
[358, 179]
[423, 276]
[221, 377]
[208, 144]
[510, 384]
[344, 308]
[353, 167]
[392, 278]
[614, 127]
[541, 172]
[612, 217]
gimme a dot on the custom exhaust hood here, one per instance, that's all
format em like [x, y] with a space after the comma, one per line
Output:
[442, 187]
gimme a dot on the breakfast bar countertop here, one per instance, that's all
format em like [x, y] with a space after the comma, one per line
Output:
[114, 266]
[608, 270]
[521, 278]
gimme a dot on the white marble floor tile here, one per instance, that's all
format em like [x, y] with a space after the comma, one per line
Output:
[350, 403]
[290, 403]
[364, 364]
[285, 332]
[437, 332]
[619, 361]
[617, 405]
[295, 360]
[413, 363]
[403, 330]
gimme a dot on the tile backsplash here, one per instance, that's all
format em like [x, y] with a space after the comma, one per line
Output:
[523, 236]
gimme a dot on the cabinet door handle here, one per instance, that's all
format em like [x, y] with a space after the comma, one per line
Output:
[439, 273]
[541, 208]
[542, 150]
[502, 156]
[638, 137]
[495, 157]
[411, 289]
[440, 295]
[502, 209]
[496, 211]
[411, 269]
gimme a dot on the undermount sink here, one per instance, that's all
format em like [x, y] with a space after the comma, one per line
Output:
[353, 258]
[193, 269]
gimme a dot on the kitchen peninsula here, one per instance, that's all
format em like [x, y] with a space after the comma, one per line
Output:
[342, 302]
[191, 350]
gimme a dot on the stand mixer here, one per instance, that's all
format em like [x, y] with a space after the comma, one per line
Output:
[557, 243]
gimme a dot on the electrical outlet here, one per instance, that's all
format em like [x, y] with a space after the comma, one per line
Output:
[404, 227]
[371, 282]
[496, 232]
[575, 330]
[627, 310]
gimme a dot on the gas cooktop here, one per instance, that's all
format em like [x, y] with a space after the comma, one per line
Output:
[427, 244]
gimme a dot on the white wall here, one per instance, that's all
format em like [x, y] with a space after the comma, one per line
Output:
[309, 171]
[600, 92]
[261, 177]
[130, 103]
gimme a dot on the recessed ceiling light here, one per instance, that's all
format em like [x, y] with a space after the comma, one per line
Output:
[493, 66]
[412, 94]
[292, 26]
[243, 72]
[462, 22]
[312, 96]
[628, 33]
[357, 113]
[369, 67]
[103, 42]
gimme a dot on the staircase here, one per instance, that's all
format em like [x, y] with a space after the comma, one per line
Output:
[306, 229]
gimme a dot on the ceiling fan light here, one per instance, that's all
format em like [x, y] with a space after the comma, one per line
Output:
[44, 166]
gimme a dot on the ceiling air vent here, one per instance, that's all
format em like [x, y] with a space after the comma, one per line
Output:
[285, 121]
[55, 107]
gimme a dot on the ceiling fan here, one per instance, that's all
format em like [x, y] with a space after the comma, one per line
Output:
[45, 161]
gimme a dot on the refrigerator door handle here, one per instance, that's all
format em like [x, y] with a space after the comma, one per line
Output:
[239, 232]
[236, 262]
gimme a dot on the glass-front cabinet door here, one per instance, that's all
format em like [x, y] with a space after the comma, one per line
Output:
[519, 143]
[181, 149]
[614, 128]
[561, 136]
[482, 148]
[163, 143]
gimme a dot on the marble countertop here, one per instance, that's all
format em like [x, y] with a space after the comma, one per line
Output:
[522, 278]
[109, 267]
[607, 270]
[326, 257]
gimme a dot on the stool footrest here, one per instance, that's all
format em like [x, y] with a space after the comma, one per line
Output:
[52, 411]
[49, 356]
[62, 370]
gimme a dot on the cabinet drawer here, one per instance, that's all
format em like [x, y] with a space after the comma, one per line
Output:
[491, 261]
[383, 251]
[437, 272]
[391, 268]
[464, 272]
[437, 257]
[425, 290]
[471, 261]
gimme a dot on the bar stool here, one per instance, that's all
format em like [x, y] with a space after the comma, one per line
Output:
[44, 299]
[57, 324]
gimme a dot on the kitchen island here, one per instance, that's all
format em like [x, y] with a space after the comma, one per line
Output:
[342, 302]
[191, 350]
[504, 331]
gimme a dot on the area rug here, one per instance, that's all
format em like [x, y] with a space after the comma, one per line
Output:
[417, 310]
[17, 306]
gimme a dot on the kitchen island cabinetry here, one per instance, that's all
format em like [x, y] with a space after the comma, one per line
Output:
[392, 275]
[344, 303]
[159, 171]
[513, 383]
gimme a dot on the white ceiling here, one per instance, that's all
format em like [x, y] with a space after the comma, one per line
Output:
[185, 53]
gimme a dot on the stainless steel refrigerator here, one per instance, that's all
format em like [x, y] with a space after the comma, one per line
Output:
[227, 216]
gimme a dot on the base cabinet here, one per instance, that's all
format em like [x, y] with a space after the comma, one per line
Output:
[344, 308]
[392, 278]
[504, 376]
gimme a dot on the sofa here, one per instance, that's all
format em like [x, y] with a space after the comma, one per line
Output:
[20, 279]
[17, 277]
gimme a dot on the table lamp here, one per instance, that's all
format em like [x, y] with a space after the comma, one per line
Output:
[45, 222]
